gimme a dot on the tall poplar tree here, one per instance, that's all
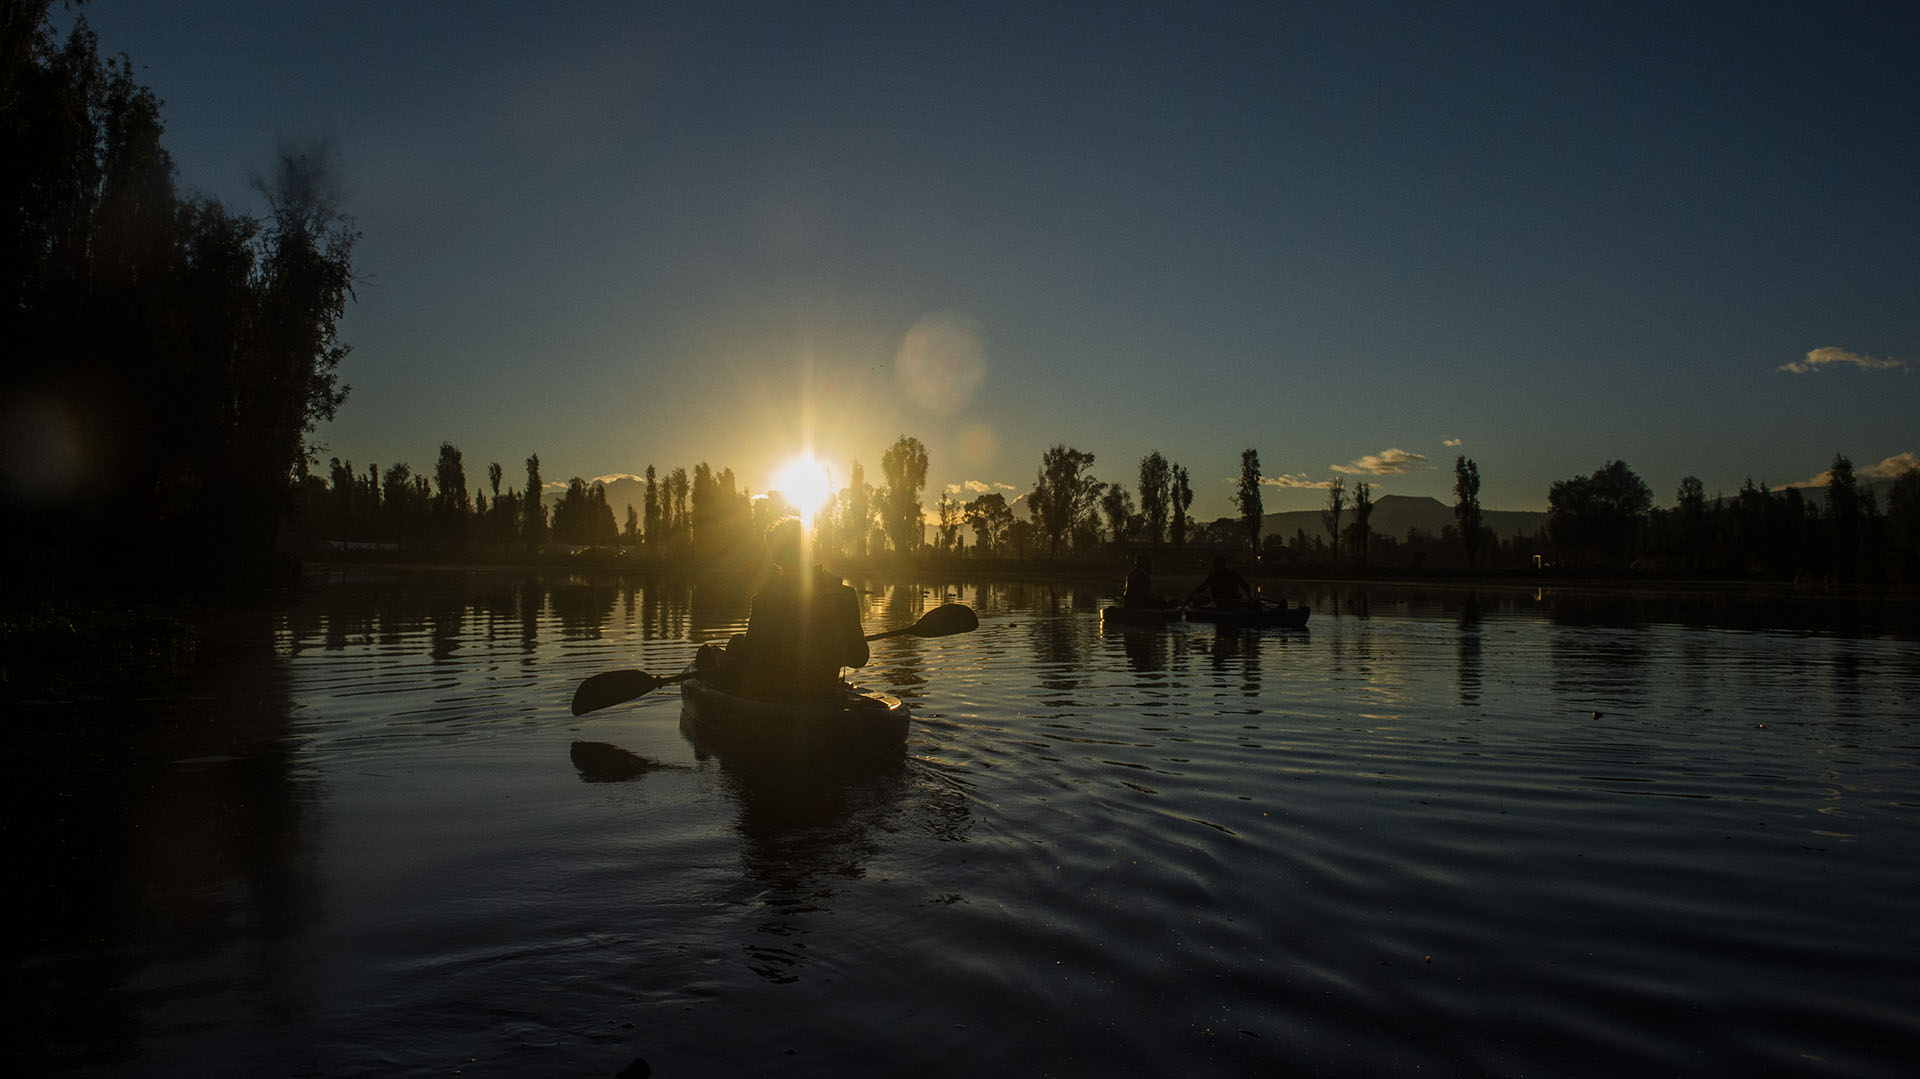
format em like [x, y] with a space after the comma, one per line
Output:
[905, 466]
[1466, 505]
[1247, 497]
[1156, 483]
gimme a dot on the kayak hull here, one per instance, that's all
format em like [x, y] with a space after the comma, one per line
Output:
[857, 721]
[1139, 616]
[1263, 617]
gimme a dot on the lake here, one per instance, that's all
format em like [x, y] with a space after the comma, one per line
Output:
[1444, 833]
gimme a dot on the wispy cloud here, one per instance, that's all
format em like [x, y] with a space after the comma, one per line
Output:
[1827, 357]
[614, 477]
[1295, 481]
[1450, 443]
[977, 487]
[1394, 462]
[1885, 472]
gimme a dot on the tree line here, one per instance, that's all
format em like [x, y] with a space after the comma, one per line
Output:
[1845, 534]
[1604, 523]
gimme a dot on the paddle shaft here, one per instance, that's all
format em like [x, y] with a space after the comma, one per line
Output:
[619, 687]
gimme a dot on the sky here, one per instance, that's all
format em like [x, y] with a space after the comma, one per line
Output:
[1361, 239]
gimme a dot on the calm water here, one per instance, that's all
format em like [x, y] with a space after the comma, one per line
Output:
[1515, 835]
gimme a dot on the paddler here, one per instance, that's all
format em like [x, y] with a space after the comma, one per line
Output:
[805, 627]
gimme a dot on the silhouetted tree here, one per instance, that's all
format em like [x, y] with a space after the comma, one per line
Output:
[1061, 494]
[1598, 517]
[990, 517]
[406, 506]
[679, 517]
[1156, 488]
[1903, 530]
[652, 508]
[582, 516]
[451, 506]
[951, 517]
[1466, 506]
[723, 528]
[450, 481]
[703, 504]
[1247, 498]
[1117, 503]
[1336, 502]
[198, 344]
[1690, 518]
[533, 513]
[1362, 530]
[1180, 496]
[1020, 537]
[1843, 512]
[859, 509]
[905, 466]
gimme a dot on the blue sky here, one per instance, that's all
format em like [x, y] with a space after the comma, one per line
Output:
[1353, 237]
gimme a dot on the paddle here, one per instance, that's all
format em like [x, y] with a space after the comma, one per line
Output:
[943, 621]
[618, 687]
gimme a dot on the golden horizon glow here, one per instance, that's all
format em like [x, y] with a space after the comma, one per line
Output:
[806, 485]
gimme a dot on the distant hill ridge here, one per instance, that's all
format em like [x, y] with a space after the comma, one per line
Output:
[1394, 515]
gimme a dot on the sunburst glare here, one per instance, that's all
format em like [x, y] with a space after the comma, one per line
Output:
[805, 484]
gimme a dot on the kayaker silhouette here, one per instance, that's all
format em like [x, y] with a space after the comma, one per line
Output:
[804, 628]
[1224, 587]
[1139, 591]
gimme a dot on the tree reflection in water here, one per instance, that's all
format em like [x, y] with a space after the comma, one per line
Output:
[163, 845]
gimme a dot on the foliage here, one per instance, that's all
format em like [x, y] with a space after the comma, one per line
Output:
[650, 522]
[1247, 497]
[1757, 534]
[1598, 519]
[1180, 498]
[1330, 517]
[1156, 491]
[1361, 530]
[1062, 494]
[951, 516]
[1466, 505]
[582, 516]
[990, 518]
[905, 466]
[859, 512]
[1843, 512]
[186, 350]
[721, 524]
[1116, 502]
[533, 512]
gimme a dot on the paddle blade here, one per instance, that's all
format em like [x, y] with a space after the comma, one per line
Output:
[611, 688]
[947, 620]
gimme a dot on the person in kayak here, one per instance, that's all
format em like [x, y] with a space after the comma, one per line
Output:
[805, 626]
[1139, 592]
[1224, 587]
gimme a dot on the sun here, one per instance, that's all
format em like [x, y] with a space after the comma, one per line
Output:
[805, 484]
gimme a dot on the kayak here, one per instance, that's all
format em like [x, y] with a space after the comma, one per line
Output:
[1139, 616]
[1283, 617]
[858, 719]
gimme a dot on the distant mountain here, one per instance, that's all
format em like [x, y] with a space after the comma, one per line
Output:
[1394, 515]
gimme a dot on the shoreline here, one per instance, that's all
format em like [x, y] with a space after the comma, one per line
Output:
[1084, 572]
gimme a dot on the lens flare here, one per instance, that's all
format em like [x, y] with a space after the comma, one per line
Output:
[942, 362]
